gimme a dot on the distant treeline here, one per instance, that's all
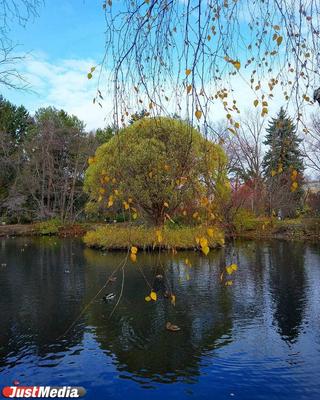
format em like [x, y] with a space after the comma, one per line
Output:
[42, 163]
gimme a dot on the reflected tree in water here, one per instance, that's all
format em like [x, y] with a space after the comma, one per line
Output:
[288, 286]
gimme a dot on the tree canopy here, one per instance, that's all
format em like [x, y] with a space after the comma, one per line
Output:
[283, 165]
[157, 168]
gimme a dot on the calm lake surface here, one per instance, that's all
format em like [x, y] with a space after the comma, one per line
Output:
[256, 339]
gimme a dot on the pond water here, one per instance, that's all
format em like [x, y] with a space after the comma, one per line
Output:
[256, 339]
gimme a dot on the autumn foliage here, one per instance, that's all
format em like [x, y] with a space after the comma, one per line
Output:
[158, 169]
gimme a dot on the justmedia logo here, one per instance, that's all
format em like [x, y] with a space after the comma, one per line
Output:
[26, 392]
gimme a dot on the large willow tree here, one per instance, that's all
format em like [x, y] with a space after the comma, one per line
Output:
[186, 56]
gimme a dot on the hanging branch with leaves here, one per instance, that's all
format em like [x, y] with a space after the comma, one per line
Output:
[184, 57]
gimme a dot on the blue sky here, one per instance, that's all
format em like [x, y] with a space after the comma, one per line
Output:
[65, 29]
[62, 43]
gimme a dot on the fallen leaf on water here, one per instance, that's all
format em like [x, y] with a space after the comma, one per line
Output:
[171, 327]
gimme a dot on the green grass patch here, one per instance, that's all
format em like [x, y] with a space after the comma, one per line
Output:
[49, 227]
[115, 237]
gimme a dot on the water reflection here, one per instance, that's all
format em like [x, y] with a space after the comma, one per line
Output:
[224, 330]
[288, 287]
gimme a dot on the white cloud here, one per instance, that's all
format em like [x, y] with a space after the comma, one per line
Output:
[64, 85]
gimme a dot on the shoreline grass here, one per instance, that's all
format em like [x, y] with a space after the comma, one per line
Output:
[115, 237]
[272, 228]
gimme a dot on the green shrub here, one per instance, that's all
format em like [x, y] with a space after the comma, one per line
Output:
[244, 221]
[154, 168]
[49, 227]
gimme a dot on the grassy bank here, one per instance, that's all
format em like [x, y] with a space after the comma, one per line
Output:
[47, 228]
[121, 236]
[291, 229]
[117, 237]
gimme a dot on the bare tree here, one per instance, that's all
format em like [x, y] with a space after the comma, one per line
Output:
[311, 145]
[50, 164]
[13, 12]
[245, 154]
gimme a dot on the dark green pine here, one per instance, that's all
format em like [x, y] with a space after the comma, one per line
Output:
[283, 145]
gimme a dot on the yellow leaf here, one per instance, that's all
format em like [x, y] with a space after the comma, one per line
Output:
[126, 205]
[173, 299]
[229, 283]
[194, 215]
[133, 257]
[134, 215]
[165, 204]
[237, 65]
[198, 114]
[273, 172]
[264, 111]
[153, 295]
[205, 250]
[229, 269]
[279, 40]
[234, 267]
[256, 102]
[203, 242]
[147, 298]
[134, 250]
[188, 72]
[210, 232]
[294, 186]
[189, 88]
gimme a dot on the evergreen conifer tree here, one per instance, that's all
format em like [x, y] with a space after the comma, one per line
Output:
[283, 166]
